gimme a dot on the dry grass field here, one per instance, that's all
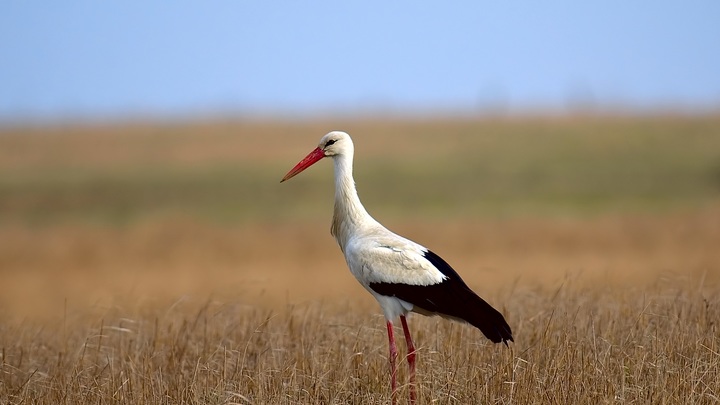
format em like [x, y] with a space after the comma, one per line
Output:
[165, 264]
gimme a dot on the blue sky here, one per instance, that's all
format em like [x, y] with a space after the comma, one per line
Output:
[90, 60]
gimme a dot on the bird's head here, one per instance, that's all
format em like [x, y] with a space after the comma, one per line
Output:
[335, 143]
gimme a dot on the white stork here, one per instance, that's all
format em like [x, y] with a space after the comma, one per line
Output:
[402, 275]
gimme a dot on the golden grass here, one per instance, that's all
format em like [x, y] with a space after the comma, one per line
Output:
[605, 310]
[582, 345]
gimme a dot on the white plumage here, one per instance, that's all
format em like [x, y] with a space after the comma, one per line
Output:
[402, 275]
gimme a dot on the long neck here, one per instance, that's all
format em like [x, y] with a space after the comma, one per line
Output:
[349, 213]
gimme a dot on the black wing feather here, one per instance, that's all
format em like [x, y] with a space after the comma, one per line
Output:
[451, 298]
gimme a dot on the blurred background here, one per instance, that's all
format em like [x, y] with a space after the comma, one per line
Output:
[141, 145]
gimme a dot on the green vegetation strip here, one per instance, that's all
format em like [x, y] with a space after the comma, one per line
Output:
[540, 167]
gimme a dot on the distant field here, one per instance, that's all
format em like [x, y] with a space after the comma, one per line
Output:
[147, 263]
[486, 168]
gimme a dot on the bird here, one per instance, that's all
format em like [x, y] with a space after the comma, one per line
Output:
[402, 275]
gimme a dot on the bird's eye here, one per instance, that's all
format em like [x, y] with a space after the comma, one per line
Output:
[330, 142]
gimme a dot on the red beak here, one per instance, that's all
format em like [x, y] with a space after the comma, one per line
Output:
[309, 160]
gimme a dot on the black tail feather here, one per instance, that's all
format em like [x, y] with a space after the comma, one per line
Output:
[486, 318]
[451, 299]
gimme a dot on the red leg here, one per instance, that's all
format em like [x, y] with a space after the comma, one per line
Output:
[392, 359]
[410, 358]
